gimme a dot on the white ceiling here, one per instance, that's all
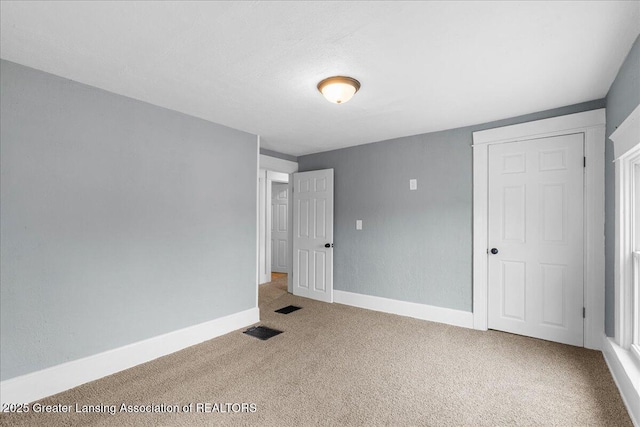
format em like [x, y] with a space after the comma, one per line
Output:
[254, 66]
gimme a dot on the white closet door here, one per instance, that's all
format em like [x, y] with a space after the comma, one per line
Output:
[536, 238]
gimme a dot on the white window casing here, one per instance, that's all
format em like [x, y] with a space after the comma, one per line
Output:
[622, 353]
[626, 143]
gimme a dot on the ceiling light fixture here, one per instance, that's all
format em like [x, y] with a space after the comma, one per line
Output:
[338, 89]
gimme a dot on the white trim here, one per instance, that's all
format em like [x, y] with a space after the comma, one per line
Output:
[626, 143]
[592, 124]
[402, 308]
[623, 265]
[627, 135]
[276, 164]
[257, 217]
[279, 177]
[594, 143]
[635, 339]
[267, 227]
[37, 385]
[262, 224]
[290, 236]
[620, 354]
[626, 374]
[480, 239]
[571, 123]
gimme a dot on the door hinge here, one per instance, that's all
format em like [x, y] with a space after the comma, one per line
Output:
[584, 162]
[584, 313]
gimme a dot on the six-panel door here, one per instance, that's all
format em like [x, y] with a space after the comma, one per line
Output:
[313, 234]
[535, 280]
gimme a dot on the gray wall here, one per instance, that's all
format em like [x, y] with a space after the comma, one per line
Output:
[114, 226]
[415, 245]
[622, 99]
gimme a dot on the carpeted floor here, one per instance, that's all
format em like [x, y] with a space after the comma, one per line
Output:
[275, 289]
[340, 365]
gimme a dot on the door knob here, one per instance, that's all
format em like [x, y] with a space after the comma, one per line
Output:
[328, 245]
[494, 251]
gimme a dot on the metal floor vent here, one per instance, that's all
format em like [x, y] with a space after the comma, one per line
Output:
[262, 332]
[288, 309]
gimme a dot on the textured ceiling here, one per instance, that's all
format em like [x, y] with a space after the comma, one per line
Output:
[254, 66]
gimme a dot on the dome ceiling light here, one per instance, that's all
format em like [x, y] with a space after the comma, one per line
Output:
[338, 89]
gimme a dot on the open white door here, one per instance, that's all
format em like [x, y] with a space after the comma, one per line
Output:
[313, 234]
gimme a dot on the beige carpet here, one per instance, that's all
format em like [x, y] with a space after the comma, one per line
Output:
[339, 365]
[274, 290]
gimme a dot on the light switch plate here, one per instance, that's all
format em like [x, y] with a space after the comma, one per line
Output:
[413, 184]
[358, 224]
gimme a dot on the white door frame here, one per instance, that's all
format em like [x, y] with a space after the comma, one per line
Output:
[268, 164]
[272, 177]
[592, 124]
[262, 221]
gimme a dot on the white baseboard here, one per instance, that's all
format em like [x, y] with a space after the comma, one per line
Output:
[626, 375]
[403, 308]
[37, 385]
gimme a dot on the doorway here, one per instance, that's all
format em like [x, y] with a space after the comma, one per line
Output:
[266, 181]
[280, 245]
[591, 125]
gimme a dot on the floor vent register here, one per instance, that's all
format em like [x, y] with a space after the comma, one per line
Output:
[262, 332]
[288, 309]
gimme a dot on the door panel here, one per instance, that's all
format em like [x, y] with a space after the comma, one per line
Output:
[279, 232]
[553, 212]
[302, 270]
[536, 224]
[513, 295]
[514, 206]
[312, 230]
[553, 293]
